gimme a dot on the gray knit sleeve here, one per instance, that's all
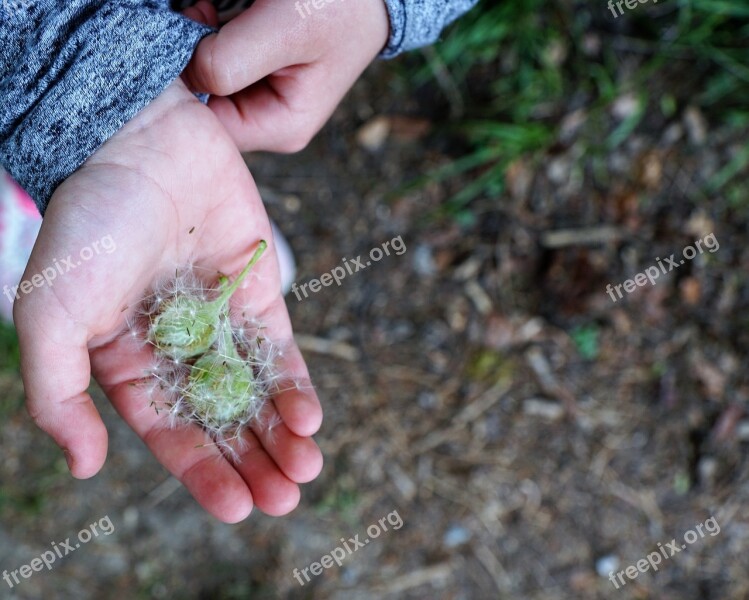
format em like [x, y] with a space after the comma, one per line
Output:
[416, 23]
[72, 72]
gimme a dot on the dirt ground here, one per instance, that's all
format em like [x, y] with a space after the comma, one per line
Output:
[530, 433]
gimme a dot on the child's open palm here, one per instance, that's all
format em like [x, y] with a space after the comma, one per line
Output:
[169, 188]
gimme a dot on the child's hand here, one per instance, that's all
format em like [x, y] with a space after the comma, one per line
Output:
[168, 188]
[284, 66]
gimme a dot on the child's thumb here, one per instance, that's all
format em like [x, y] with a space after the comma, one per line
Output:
[247, 49]
[56, 373]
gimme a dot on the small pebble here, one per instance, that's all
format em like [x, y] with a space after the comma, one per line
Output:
[423, 261]
[542, 408]
[742, 431]
[606, 564]
[455, 536]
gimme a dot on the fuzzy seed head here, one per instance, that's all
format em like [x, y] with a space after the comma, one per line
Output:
[185, 326]
[210, 367]
[221, 389]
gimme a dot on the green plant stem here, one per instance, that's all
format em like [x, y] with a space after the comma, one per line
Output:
[227, 293]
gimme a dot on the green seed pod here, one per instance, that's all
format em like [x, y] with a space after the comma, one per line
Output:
[221, 388]
[187, 326]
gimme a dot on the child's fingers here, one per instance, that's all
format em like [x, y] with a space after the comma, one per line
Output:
[187, 453]
[256, 43]
[119, 368]
[274, 493]
[280, 114]
[56, 372]
[299, 458]
[226, 491]
[297, 402]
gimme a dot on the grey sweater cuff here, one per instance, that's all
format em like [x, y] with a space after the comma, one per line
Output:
[73, 72]
[417, 23]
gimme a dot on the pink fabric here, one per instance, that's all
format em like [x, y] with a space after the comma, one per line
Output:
[19, 226]
[24, 201]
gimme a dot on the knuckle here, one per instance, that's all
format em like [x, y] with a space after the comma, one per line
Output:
[37, 414]
[295, 144]
[209, 74]
[299, 139]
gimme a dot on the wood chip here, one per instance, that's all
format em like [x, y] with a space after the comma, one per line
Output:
[479, 297]
[535, 407]
[374, 133]
[549, 383]
[311, 343]
[696, 125]
[691, 291]
[437, 574]
[588, 236]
